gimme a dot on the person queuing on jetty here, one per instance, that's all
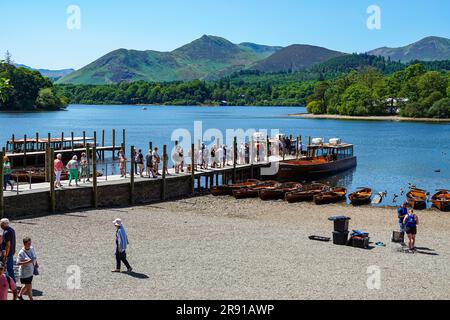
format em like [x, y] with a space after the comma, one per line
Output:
[122, 163]
[140, 163]
[156, 161]
[7, 170]
[402, 212]
[8, 247]
[84, 168]
[411, 221]
[213, 157]
[242, 153]
[73, 167]
[121, 246]
[136, 154]
[6, 284]
[223, 155]
[149, 162]
[205, 156]
[58, 167]
[28, 267]
[178, 158]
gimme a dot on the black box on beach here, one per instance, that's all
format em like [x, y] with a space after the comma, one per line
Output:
[340, 238]
[360, 242]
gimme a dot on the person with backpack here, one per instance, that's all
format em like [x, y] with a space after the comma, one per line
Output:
[140, 163]
[402, 212]
[411, 221]
[28, 267]
[6, 284]
[8, 247]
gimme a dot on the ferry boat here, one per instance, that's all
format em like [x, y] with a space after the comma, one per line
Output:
[321, 160]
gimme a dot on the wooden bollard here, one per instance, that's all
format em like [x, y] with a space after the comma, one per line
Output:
[114, 144]
[163, 183]
[193, 168]
[234, 159]
[2, 200]
[94, 177]
[52, 181]
[132, 155]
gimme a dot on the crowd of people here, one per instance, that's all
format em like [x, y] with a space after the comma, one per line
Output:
[26, 262]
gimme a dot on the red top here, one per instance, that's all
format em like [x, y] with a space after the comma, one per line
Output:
[59, 166]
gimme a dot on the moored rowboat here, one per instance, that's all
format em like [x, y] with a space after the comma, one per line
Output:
[332, 196]
[441, 200]
[361, 196]
[417, 198]
[227, 190]
[253, 192]
[307, 194]
[279, 191]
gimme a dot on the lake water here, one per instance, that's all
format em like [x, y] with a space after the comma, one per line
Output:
[390, 154]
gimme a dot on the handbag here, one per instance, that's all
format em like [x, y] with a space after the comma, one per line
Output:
[35, 265]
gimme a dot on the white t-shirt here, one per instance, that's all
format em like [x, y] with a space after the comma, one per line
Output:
[27, 270]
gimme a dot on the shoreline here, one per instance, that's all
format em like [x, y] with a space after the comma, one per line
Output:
[366, 118]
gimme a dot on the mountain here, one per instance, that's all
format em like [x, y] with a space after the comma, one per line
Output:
[54, 75]
[295, 58]
[427, 49]
[202, 58]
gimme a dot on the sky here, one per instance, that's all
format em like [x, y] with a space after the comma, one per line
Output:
[37, 34]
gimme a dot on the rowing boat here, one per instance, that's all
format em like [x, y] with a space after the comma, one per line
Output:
[307, 194]
[227, 190]
[441, 200]
[253, 192]
[334, 195]
[279, 191]
[361, 196]
[417, 198]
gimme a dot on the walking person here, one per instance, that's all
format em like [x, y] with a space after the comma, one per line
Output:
[58, 167]
[411, 221]
[73, 167]
[7, 170]
[121, 246]
[8, 247]
[149, 162]
[140, 163]
[6, 284]
[28, 267]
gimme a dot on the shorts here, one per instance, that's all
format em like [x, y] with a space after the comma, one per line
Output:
[411, 230]
[26, 280]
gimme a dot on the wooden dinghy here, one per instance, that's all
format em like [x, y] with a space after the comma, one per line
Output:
[279, 191]
[307, 194]
[253, 192]
[441, 200]
[417, 198]
[227, 190]
[361, 196]
[333, 196]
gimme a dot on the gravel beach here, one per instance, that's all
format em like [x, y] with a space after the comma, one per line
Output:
[222, 248]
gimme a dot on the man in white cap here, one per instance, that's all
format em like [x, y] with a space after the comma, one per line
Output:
[8, 247]
[121, 246]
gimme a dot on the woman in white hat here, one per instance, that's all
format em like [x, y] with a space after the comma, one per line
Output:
[121, 246]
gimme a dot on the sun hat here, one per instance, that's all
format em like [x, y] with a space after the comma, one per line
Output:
[117, 222]
[4, 221]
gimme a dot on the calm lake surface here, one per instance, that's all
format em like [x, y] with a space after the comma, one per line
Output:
[390, 154]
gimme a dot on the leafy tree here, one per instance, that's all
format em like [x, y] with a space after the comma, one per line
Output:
[440, 109]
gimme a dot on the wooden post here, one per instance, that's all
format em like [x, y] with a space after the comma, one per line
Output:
[123, 140]
[296, 148]
[25, 150]
[2, 201]
[84, 139]
[193, 168]
[114, 144]
[47, 163]
[132, 155]
[62, 140]
[37, 142]
[52, 182]
[234, 158]
[163, 183]
[13, 143]
[103, 145]
[88, 149]
[95, 139]
[73, 141]
[94, 177]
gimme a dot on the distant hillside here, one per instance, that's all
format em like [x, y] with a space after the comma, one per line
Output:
[427, 49]
[52, 74]
[295, 58]
[204, 57]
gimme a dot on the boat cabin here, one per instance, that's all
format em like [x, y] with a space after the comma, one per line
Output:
[331, 151]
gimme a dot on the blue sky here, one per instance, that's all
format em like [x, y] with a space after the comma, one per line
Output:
[35, 32]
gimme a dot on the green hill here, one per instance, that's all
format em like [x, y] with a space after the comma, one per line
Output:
[208, 56]
[427, 49]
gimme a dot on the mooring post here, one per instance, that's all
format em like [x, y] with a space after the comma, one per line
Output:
[193, 168]
[94, 177]
[113, 144]
[47, 163]
[296, 148]
[163, 183]
[84, 139]
[123, 140]
[252, 157]
[103, 145]
[2, 200]
[95, 141]
[72, 138]
[62, 141]
[88, 157]
[13, 143]
[132, 155]
[234, 158]
[25, 150]
[52, 182]
[37, 142]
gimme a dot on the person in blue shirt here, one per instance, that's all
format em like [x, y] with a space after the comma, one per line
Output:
[402, 212]
[8, 247]
[121, 246]
[411, 221]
